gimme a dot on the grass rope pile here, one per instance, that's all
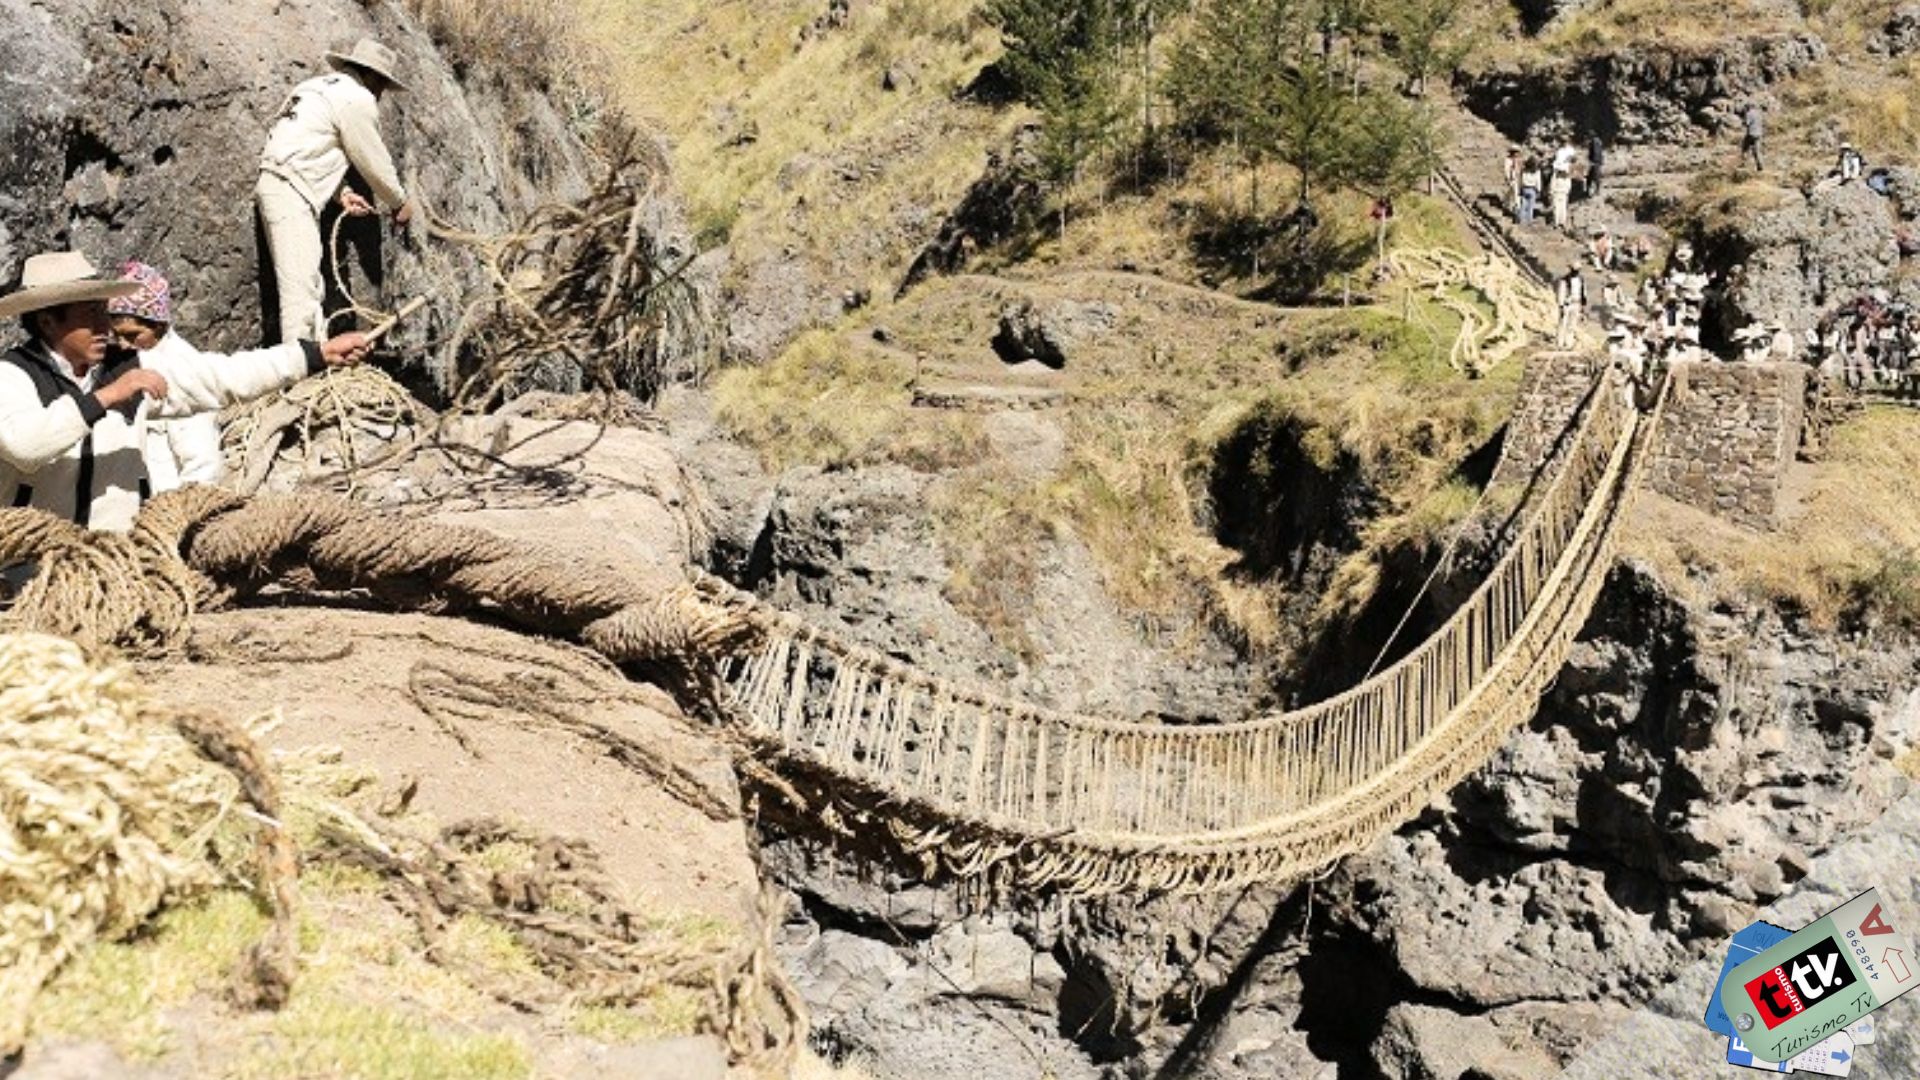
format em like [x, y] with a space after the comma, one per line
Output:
[112, 806]
[109, 807]
[1522, 311]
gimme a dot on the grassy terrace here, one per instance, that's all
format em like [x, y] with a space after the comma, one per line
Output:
[1849, 555]
[1149, 408]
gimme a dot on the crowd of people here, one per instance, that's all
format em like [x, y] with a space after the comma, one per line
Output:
[106, 403]
[1654, 316]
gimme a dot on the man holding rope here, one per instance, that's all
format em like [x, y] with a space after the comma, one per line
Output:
[74, 404]
[328, 123]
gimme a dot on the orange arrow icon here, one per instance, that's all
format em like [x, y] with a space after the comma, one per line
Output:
[1897, 964]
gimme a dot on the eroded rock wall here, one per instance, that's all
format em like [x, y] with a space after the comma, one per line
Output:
[1640, 96]
[1685, 769]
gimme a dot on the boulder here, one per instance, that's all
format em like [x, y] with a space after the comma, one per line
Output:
[1424, 1042]
[1004, 202]
[1900, 34]
[1048, 333]
[1799, 256]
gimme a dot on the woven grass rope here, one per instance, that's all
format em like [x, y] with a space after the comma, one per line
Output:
[109, 805]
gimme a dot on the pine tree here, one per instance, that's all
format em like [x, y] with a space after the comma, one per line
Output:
[1428, 37]
[1069, 60]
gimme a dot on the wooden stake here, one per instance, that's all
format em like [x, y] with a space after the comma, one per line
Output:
[407, 309]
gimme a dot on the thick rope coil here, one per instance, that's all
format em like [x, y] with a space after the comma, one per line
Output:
[106, 811]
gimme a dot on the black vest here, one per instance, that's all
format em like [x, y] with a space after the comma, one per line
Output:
[52, 385]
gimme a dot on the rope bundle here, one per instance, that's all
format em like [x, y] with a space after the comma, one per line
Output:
[106, 810]
[110, 804]
[1521, 309]
[359, 403]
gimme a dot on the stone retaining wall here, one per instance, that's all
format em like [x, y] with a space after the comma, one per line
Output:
[1552, 390]
[1730, 434]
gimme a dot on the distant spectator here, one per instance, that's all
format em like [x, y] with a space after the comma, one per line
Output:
[1756, 344]
[1596, 165]
[1753, 123]
[1851, 164]
[1600, 247]
[1381, 214]
[1614, 299]
[1510, 169]
[1571, 291]
[1784, 345]
[1907, 240]
[1561, 189]
[1529, 190]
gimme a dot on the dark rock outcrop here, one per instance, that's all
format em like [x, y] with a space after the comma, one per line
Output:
[1004, 203]
[1640, 96]
[1047, 334]
[1685, 768]
[1900, 35]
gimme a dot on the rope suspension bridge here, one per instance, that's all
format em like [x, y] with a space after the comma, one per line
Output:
[980, 786]
[854, 743]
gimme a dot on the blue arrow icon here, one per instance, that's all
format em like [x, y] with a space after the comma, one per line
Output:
[1840, 1055]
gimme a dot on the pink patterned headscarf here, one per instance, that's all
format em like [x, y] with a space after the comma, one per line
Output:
[154, 301]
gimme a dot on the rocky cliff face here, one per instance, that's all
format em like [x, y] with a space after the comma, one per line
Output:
[1802, 255]
[1640, 96]
[1685, 769]
[135, 131]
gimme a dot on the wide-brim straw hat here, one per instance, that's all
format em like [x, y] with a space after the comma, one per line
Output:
[60, 277]
[370, 55]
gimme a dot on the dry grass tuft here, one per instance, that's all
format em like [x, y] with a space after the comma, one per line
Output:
[541, 38]
[833, 402]
[1850, 557]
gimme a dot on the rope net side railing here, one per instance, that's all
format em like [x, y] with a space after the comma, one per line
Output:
[1266, 797]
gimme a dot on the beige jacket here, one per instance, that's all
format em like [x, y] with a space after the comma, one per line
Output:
[87, 464]
[327, 124]
[185, 450]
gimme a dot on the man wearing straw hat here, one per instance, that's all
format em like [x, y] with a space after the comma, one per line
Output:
[74, 405]
[328, 123]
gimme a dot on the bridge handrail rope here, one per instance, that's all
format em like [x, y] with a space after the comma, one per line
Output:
[1062, 796]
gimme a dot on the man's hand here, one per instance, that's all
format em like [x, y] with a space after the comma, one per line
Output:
[132, 385]
[345, 350]
[404, 215]
[354, 203]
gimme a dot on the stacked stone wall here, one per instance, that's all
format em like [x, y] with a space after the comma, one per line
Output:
[1553, 389]
[1730, 434]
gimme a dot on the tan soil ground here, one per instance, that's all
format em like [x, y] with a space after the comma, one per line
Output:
[372, 998]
